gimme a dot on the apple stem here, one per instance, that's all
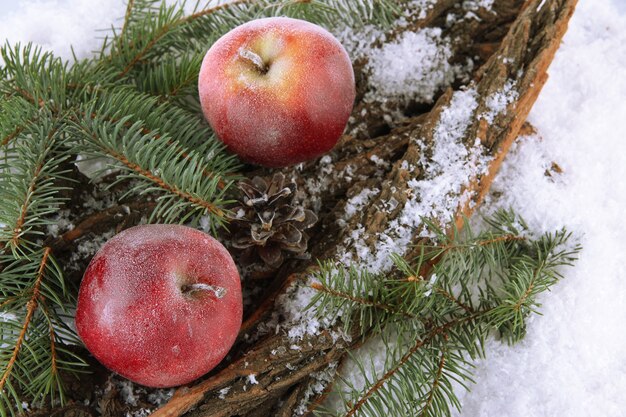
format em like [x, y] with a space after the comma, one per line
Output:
[255, 59]
[191, 288]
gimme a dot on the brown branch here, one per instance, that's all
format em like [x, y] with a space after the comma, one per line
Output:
[430, 264]
[31, 307]
[442, 363]
[503, 238]
[129, 9]
[17, 230]
[53, 350]
[29, 97]
[8, 138]
[454, 300]
[191, 79]
[524, 297]
[221, 184]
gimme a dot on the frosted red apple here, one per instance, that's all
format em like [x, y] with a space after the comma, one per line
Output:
[160, 304]
[277, 91]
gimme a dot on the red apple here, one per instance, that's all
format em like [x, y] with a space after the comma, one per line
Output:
[277, 91]
[160, 304]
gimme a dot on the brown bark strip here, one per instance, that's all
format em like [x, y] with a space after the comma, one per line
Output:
[268, 361]
[31, 307]
[533, 52]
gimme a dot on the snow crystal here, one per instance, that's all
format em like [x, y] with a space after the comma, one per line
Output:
[127, 391]
[298, 320]
[437, 195]
[158, 397]
[62, 224]
[223, 392]
[356, 203]
[6, 316]
[474, 5]
[319, 183]
[321, 380]
[414, 67]
[498, 101]
[420, 7]
[541, 5]
[142, 412]
[88, 247]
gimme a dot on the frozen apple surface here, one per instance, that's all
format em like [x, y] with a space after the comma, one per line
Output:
[160, 304]
[277, 91]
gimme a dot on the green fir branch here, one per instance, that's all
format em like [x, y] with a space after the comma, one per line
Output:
[37, 76]
[477, 284]
[29, 178]
[167, 30]
[155, 165]
[35, 337]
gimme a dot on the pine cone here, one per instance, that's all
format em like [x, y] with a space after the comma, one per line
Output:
[267, 224]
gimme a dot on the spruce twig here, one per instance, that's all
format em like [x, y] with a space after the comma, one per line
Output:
[31, 306]
[508, 273]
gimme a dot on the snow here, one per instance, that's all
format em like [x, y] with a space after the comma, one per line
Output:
[321, 380]
[394, 76]
[474, 5]
[437, 195]
[356, 203]
[413, 68]
[573, 360]
[223, 392]
[498, 101]
[252, 379]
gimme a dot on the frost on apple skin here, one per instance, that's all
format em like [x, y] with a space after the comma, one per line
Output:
[134, 316]
[295, 109]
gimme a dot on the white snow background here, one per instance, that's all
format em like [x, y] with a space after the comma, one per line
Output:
[573, 360]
